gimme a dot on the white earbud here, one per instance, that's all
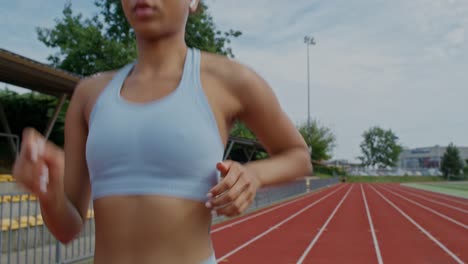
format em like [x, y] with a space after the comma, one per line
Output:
[192, 4]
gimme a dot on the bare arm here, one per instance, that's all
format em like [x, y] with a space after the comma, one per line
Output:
[289, 155]
[65, 200]
[262, 113]
[65, 214]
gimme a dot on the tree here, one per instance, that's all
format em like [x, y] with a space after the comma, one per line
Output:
[239, 152]
[107, 42]
[380, 148]
[84, 46]
[451, 164]
[28, 110]
[201, 32]
[320, 139]
[465, 170]
[32, 110]
[241, 130]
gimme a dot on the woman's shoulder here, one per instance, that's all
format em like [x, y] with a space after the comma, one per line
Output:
[238, 77]
[94, 82]
[230, 72]
[89, 87]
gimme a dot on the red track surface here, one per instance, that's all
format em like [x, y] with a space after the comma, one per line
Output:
[399, 225]
[347, 235]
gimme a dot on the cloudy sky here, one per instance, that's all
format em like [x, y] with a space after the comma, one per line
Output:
[399, 64]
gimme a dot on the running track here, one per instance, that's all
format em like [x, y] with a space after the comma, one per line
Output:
[350, 223]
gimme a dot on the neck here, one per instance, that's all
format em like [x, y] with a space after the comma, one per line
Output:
[156, 55]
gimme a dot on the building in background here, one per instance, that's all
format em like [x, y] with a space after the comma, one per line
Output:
[342, 163]
[426, 158]
[412, 162]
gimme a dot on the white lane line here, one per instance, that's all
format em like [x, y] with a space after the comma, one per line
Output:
[263, 212]
[428, 209]
[316, 238]
[274, 227]
[430, 200]
[442, 246]
[374, 236]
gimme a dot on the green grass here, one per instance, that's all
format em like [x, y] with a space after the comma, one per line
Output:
[451, 188]
[393, 179]
[452, 185]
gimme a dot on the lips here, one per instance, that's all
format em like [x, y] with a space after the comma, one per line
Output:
[143, 10]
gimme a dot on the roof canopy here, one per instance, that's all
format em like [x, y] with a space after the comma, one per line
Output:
[21, 71]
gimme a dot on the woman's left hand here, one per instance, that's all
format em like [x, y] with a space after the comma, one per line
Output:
[234, 194]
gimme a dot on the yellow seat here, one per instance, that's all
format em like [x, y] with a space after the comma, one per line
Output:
[14, 225]
[5, 224]
[24, 221]
[6, 198]
[32, 198]
[16, 198]
[25, 197]
[6, 177]
[32, 221]
[9, 224]
[39, 220]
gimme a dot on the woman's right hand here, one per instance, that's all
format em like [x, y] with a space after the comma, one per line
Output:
[39, 167]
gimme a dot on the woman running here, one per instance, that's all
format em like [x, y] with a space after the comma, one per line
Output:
[145, 144]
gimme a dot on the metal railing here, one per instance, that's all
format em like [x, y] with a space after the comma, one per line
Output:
[394, 172]
[274, 194]
[25, 239]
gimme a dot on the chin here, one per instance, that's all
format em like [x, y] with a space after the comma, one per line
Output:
[149, 31]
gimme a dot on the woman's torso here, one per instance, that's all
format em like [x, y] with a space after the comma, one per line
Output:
[151, 230]
[158, 228]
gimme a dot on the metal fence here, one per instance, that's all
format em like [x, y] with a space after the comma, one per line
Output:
[394, 172]
[25, 239]
[270, 195]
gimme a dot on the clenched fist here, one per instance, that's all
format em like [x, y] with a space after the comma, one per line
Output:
[39, 167]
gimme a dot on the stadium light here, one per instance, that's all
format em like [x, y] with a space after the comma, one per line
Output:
[308, 40]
